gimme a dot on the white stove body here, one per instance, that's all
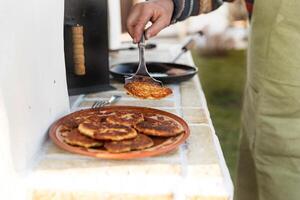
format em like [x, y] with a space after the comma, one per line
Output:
[33, 90]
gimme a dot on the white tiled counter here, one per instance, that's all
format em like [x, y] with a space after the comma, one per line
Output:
[194, 171]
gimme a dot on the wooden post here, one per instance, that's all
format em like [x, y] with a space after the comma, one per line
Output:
[78, 50]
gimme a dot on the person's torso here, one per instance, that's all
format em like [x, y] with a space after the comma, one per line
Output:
[274, 42]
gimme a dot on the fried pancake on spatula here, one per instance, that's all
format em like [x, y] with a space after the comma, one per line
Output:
[146, 89]
[106, 131]
[126, 118]
[162, 128]
[74, 137]
[138, 143]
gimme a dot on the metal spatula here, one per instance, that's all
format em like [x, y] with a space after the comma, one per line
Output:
[142, 72]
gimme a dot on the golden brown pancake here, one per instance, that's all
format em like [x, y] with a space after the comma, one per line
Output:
[106, 131]
[96, 118]
[155, 116]
[68, 125]
[146, 89]
[106, 112]
[139, 142]
[125, 118]
[77, 119]
[74, 137]
[163, 128]
[93, 114]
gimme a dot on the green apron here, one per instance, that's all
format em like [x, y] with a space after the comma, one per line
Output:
[269, 160]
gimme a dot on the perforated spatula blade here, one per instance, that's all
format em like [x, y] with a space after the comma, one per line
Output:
[142, 72]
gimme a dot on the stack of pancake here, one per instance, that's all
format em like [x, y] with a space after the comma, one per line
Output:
[117, 131]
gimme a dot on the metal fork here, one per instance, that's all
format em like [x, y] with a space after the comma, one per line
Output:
[102, 103]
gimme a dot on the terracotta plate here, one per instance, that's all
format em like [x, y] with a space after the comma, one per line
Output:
[161, 145]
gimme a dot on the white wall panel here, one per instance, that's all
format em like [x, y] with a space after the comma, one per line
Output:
[32, 73]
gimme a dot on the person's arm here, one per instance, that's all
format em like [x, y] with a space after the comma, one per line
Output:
[186, 8]
[162, 13]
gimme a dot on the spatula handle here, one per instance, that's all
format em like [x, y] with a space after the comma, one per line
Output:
[142, 69]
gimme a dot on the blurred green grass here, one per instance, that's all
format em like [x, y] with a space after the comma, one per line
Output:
[223, 79]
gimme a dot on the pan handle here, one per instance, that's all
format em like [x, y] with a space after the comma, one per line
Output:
[184, 49]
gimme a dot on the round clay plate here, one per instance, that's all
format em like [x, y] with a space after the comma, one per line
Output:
[161, 145]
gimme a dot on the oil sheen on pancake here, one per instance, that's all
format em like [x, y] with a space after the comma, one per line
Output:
[106, 131]
[145, 88]
[162, 128]
[138, 143]
[126, 118]
[74, 137]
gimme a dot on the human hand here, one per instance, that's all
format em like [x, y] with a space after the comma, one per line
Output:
[159, 12]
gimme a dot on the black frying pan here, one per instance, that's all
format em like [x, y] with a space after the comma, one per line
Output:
[165, 72]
